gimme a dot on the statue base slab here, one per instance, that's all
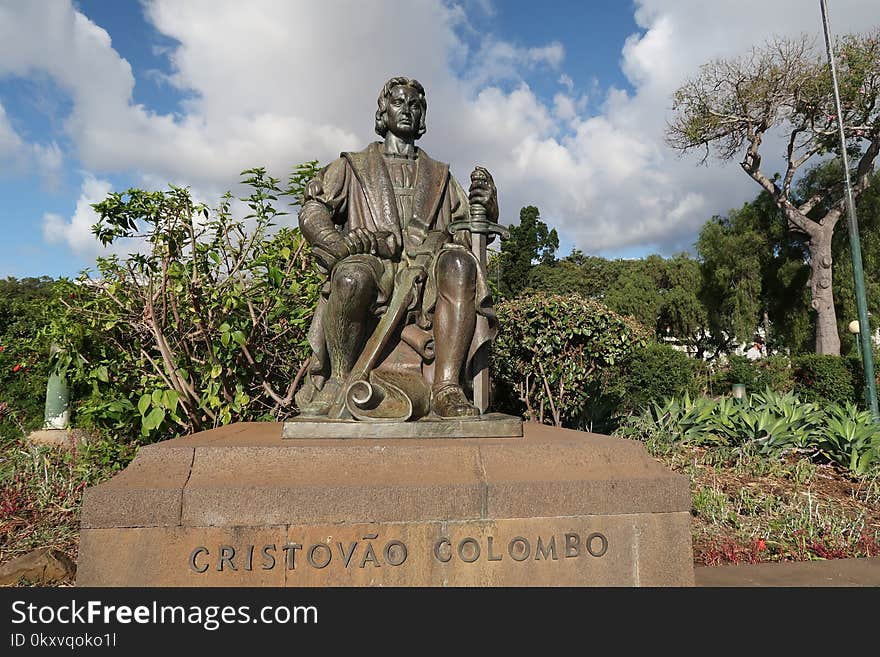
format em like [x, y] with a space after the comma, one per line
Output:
[490, 425]
[241, 506]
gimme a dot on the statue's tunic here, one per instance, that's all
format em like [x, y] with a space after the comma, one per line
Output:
[413, 198]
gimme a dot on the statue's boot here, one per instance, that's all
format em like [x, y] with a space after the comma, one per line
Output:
[449, 401]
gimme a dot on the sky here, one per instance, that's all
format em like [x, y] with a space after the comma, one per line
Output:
[564, 101]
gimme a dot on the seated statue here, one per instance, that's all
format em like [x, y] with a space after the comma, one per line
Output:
[406, 307]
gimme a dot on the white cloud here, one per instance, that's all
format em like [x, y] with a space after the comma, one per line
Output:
[278, 82]
[564, 107]
[49, 159]
[17, 155]
[77, 232]
[551, 54]
[499, 60]
[10, 142]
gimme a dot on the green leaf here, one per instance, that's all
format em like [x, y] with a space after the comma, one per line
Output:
[216, 371]
[169, 400]
[101, 373]
[144, 403]
[154, 419]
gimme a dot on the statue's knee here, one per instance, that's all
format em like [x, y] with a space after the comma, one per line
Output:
[351, 281]
[456, 270]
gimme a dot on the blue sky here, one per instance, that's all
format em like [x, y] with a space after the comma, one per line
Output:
[565, 102]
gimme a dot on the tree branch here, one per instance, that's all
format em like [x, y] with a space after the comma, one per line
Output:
[865, 166]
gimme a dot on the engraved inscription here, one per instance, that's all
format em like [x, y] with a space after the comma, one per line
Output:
[369, 552]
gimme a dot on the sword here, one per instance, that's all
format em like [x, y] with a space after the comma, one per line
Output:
[480, 228]
[377, 342]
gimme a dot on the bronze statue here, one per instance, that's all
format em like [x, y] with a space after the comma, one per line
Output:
[405, 315]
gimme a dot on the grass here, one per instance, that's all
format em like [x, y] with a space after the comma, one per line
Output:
[41, 492]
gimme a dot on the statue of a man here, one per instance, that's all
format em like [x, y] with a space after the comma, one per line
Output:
[404, 296]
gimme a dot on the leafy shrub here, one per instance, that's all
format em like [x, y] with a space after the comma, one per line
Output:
[824, 378]
[204, 326]
[774, 372]
[742, 370]
[556, 357]
[657, 371]
[853, 363]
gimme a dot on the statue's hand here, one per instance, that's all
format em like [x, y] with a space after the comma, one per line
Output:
[380, 243]
[483, 192]
[386, 244]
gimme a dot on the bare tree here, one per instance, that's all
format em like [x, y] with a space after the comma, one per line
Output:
[784, 88]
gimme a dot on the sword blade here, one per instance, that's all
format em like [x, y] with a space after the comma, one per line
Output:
[481, 358]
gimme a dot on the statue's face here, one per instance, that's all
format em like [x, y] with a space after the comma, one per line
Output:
[404, 112]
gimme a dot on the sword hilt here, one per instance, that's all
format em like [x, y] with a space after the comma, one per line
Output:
[478, 225]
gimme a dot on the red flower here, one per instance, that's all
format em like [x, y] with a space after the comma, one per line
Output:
[72, 295]
[16, 368]
[2, 348]
[761, 545]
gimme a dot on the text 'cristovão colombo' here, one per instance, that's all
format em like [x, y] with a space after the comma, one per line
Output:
[372, 552]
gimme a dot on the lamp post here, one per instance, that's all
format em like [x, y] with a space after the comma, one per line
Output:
[855, 329]
[855, 248]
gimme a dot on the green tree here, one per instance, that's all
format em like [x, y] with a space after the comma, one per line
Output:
[735, 251]
[635, 293]
[562, 277]
[754, 275]
[576, 273]
[663, 294]
[785, 88]
[682, 313]
[530, 243]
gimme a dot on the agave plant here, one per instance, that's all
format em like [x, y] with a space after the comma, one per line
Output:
[801, 419]
[772, 423]
[851, 438]
[690, 420]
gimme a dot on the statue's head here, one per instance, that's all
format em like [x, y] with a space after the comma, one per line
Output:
[385, 97]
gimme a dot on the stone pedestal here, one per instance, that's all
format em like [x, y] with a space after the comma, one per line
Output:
[240, 506]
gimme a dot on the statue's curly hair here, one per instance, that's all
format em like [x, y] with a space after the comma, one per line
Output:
[385, 94]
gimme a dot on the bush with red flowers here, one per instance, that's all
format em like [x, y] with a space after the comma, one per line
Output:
[24, 353]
